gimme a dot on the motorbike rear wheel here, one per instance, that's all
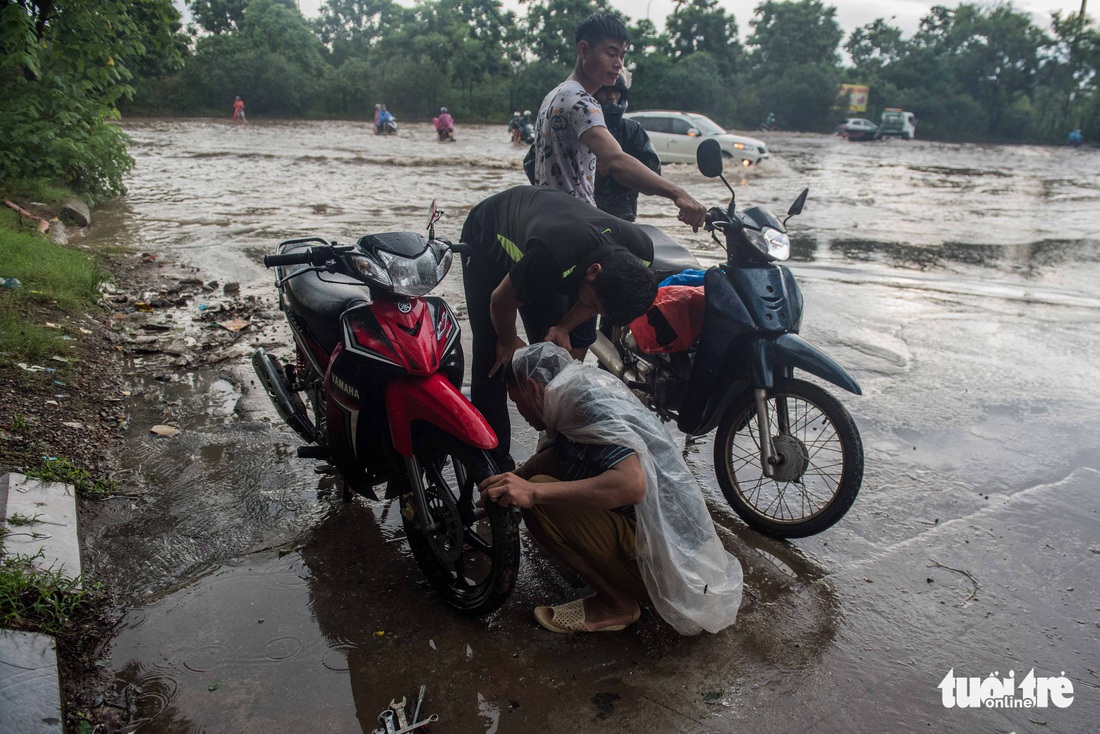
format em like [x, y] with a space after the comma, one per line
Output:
[472, 559]
[820, 461]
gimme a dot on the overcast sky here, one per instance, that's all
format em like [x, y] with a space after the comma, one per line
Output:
[904, 14]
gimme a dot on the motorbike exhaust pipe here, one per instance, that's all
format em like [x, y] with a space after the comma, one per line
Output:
[288, 405]
[608, 356]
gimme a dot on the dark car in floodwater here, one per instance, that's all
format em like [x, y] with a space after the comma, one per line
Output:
[858, 129]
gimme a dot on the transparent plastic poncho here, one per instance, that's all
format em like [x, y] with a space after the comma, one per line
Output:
[693, 582]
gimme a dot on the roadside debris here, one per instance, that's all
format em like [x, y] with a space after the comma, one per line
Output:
[43, 225]
[175, 319]
[162, 430]
[395, 717]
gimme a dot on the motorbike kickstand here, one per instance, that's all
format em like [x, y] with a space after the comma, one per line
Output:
[689, 441]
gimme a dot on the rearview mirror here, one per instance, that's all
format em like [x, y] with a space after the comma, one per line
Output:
[796, 207]
[708, 156]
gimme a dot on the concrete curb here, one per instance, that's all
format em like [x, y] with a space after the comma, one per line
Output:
[45, 530]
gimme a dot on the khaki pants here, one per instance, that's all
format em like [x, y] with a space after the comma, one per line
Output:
[602, 539]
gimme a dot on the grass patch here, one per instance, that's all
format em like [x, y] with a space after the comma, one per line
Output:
[46, 192]
[63, 470]
[51, 275]
[34, 600]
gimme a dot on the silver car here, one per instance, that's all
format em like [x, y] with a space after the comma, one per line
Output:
[676, 135]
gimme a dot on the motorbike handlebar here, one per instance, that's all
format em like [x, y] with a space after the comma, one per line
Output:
[303, 257]
[715, 216]
[311, 256]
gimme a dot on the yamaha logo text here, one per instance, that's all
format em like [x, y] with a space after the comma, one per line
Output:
[345, 387]
[996, 691]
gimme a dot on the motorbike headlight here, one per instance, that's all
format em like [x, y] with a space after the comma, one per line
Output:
[371, 270]
[415, 276]
[773, 243]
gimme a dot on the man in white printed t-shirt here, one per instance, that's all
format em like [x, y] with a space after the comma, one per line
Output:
[571, 135]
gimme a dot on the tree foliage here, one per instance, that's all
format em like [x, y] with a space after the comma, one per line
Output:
[63, 69]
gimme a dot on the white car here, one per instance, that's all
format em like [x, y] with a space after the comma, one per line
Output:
[676, 135]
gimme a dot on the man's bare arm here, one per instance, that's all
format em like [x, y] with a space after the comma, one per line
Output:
[631, 172]
[622, 484]
[503, 308]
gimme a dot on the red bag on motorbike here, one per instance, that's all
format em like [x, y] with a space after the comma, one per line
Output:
[673, 322]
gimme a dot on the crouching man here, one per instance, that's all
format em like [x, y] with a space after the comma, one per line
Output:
[612, 498]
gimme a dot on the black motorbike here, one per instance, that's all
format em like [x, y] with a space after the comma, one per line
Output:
[787, 455]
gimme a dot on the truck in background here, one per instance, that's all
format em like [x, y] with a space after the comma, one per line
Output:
[896, 121]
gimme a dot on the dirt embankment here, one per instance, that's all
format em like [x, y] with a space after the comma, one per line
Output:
[72, 408]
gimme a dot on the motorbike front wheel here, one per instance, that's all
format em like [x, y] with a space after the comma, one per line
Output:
[819, 460]
[472, 558]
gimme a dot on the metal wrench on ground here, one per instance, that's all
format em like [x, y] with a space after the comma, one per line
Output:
[399, 709]
[417, 725]
[419, 703]
[387, 719]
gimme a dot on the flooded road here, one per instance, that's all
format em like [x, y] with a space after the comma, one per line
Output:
[956, 283]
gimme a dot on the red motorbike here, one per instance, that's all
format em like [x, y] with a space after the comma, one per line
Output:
[380, 364]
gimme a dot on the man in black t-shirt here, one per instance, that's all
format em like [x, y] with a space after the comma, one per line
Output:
[555, 260]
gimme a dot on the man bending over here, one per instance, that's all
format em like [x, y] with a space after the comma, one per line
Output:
[612, 498]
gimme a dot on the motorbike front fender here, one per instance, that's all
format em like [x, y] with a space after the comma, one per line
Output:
[433, 399]
[756, 362]
[792, 351]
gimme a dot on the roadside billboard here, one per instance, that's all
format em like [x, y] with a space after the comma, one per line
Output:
[853, 97]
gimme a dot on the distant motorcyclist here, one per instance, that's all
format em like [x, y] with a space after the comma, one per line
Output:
[444, 126]
[526, 127]
[515, 127]
[1076, 138]
[387, 123]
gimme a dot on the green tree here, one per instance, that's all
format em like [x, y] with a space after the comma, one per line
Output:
[550, 25]
[272, 58]
[992, 56]
[352, 27]
[704, 26]
[794, 64]
[794, 33]
[875, 46]
[217, 16]
[1068, 79]
[62, 73]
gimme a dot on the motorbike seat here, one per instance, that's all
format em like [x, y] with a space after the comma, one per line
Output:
[669, 256]
[320, 299]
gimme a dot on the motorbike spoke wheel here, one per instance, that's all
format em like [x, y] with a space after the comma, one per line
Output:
[472, 557]
[819, 461]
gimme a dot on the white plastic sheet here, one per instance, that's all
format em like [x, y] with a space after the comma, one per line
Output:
[692, 581]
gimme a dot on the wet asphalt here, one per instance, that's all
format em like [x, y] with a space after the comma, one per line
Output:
[956, 283]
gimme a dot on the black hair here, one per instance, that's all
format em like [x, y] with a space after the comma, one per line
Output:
[625, 286]
[600, 26]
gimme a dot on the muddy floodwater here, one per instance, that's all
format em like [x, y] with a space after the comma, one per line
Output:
[957, 283]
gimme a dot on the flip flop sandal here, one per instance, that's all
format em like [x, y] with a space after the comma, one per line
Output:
[567, 618]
